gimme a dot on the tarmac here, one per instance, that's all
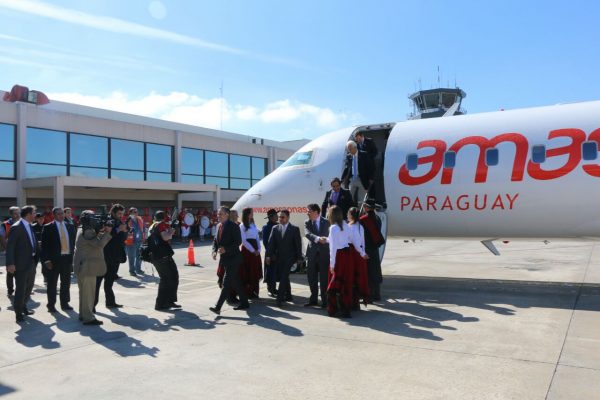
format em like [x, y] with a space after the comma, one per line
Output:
[456, 322]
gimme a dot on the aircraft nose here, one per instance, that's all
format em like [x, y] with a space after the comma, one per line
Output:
[283, 189]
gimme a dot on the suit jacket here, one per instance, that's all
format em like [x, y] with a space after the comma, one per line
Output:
[344, 201]
[114, 251]
[19, 250]
[366, 163]
[231, 240]
[88, 259]
[312, 234]
[286, 249]
[51, 241]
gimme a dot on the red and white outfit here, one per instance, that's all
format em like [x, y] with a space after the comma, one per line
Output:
[361, 274]
[342, 268]
[251, 268]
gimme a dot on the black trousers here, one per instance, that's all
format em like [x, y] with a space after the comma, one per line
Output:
[284, 291]
[375, 276]
[10, 282]
[24, 279]
[317, 273]
[62, 269]
[232, 280]
[169, 281]
[109, 279]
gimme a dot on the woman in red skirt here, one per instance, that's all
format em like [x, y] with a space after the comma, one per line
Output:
[361, 275]
[341, 268]
[251, 269]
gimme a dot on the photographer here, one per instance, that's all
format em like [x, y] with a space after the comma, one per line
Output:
[159, 239]
[114, 255]
[88, 263]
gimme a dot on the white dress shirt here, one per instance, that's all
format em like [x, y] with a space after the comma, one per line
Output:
[27, 226]
[283, 229]
[251, 233]
[340, 239]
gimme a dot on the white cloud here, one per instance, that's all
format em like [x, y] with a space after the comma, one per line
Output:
[116, 25]
[286, 116]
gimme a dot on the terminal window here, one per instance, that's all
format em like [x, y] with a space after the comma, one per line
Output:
[7, 151]
[46, 153]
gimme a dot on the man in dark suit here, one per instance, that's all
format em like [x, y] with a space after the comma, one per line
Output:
[22, 255]
[270, 278]
[228, 242]
[337, 196]
[114, 255]
[316, 230]
[285, 249]
[58, 246]
[359, 168]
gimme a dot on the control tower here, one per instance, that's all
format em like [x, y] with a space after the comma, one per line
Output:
[438, 102]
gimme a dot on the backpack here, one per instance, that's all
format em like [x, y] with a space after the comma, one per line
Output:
[148, 248]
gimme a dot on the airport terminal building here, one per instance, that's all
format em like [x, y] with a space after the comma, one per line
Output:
[63, 154]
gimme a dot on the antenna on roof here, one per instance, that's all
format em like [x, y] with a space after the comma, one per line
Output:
[438, 75]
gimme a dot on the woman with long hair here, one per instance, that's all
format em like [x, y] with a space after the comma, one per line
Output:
[341, 268]
[251, 269]
[361, 275]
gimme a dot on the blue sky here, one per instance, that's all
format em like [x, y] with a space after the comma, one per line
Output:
[298, 69]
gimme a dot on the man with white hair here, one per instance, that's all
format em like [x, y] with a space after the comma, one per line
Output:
[359, 168]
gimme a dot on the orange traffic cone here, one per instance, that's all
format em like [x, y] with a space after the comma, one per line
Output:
[191, 256]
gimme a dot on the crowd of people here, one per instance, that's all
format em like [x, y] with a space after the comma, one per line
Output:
[93, 254]
[342, 255]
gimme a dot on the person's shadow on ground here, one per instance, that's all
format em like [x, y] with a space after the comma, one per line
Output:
[33, 333]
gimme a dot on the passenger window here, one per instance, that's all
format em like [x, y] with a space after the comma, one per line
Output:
[412, 162]
[449, 159]
[491, 157]
[589, 151]
[538, 153]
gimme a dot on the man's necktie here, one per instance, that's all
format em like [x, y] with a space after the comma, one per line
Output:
[64, 246]
[220, 232]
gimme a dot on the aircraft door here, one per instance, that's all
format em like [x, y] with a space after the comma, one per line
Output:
[378, 135]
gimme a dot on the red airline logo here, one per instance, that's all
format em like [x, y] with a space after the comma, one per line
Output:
[520, 163]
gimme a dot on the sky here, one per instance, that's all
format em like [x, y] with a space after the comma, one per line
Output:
[287, 70]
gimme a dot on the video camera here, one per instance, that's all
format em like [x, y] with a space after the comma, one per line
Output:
[96, 221]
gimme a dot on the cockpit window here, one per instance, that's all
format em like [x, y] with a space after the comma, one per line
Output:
[299, 158]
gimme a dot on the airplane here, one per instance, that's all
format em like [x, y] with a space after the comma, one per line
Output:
[528, 174]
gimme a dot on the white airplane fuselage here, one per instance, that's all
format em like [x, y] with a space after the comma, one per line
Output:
[516, 198]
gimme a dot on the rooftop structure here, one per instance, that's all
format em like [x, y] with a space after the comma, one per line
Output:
[438, 102]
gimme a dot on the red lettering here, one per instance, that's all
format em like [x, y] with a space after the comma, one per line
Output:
[465, 205]
[431, 200]
[447, 204]
[577, 137]
[593, 169]
[436, 160]
[498, 203]
[404, 201]
[416, 204]
[484, 202]
[511, 200]
[521, 145]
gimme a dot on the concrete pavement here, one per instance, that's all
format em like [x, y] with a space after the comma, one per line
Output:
[456, 323]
